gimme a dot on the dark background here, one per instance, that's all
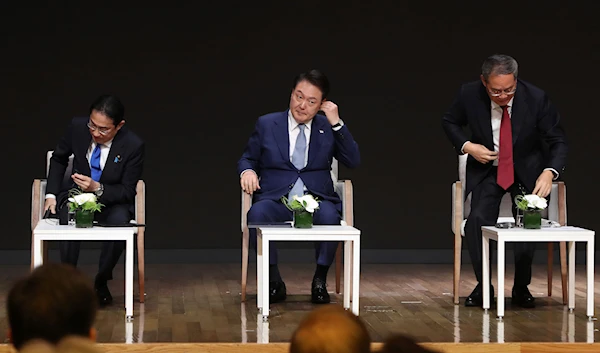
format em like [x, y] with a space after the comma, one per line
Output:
[194, 78]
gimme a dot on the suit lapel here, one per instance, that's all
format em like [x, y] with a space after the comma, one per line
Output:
[485, 122]
[519, 113]
[316, 139]
[114, 155]
[282, 137]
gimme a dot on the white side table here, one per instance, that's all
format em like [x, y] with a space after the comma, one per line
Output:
[349, 235]
[567, 234]
[47, 229]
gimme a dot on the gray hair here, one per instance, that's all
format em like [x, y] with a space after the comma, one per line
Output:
[499, 65]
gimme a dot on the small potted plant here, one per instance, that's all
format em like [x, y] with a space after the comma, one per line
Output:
[83, 205]
[532, 207]
[303, 208]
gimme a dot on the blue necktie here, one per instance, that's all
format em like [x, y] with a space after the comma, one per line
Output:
[95, 164]
[298, 157]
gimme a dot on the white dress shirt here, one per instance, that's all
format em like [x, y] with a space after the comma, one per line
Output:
[104, 151]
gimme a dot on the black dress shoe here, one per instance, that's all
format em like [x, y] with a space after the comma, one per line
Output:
[103, 295]
[476, 297]
[319, 292]
[522, 297]
[277, 291]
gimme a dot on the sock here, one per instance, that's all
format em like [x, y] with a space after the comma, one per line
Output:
[274, 275]
[321, 272]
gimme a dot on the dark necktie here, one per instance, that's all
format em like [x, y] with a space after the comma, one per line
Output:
[506, 171]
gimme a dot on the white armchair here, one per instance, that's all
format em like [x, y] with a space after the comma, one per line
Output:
[342, 187]
[556, 211]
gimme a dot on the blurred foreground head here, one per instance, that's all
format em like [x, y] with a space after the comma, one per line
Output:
[53, 302]
[331, 329]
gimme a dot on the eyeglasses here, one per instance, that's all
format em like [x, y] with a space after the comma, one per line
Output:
[499, 92]
[102, 130]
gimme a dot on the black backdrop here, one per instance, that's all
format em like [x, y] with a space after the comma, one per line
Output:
[194, 78]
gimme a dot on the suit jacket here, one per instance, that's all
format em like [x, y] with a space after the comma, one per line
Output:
[539, 141]
[268, 154]
[121, 172]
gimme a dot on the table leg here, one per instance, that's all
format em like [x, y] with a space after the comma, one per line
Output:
[500, 270]
[347, 272]
[128, 331]
[259, 270]
[571, 275]
[129, 277]
[590, 277]
[485, 262]
[355, 276]
[38, 249]
[265, 278]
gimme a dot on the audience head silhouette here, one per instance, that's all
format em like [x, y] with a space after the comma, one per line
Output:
[53, 302]
[400, 343]
[331, 329]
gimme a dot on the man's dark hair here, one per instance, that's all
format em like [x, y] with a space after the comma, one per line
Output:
[110, 106]
[315, 78]
[499, 64]
[53, 302]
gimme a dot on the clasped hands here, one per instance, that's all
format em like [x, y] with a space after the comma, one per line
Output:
[543, 184]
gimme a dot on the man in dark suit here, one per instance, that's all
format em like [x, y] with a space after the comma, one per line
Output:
[108, 161]
[290, 153]
[517, 145]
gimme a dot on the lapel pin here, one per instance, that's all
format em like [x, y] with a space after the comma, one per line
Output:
[117, 158]
[320, 131]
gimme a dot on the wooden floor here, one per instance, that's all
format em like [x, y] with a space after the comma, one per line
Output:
[201, 303]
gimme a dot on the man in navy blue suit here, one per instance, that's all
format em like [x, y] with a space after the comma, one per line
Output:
[290, 153]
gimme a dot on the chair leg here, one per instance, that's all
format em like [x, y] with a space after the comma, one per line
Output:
[338, 267]
[245, 246]
[550, 261]
[141, 264]
[457, 263]
[563, 270]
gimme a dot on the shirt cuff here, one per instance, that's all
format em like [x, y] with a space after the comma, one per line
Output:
[245, 170]
[339, 126]
[554, 172]
[462, 149]
[50, 196]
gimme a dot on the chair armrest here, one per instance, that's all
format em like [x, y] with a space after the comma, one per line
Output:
[557, 205]
[246, 203]
[38, 192]
[140, 202]
[345, 191]
[457, 207]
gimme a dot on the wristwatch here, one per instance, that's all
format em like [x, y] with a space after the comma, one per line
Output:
[340, 123]
[100, 190]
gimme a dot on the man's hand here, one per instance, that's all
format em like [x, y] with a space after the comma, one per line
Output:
[480, 152]
[50, 204]
[249, 182]
[85, 182]
[331, 112]
[543, 184]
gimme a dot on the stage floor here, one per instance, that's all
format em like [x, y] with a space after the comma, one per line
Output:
[201, 303]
